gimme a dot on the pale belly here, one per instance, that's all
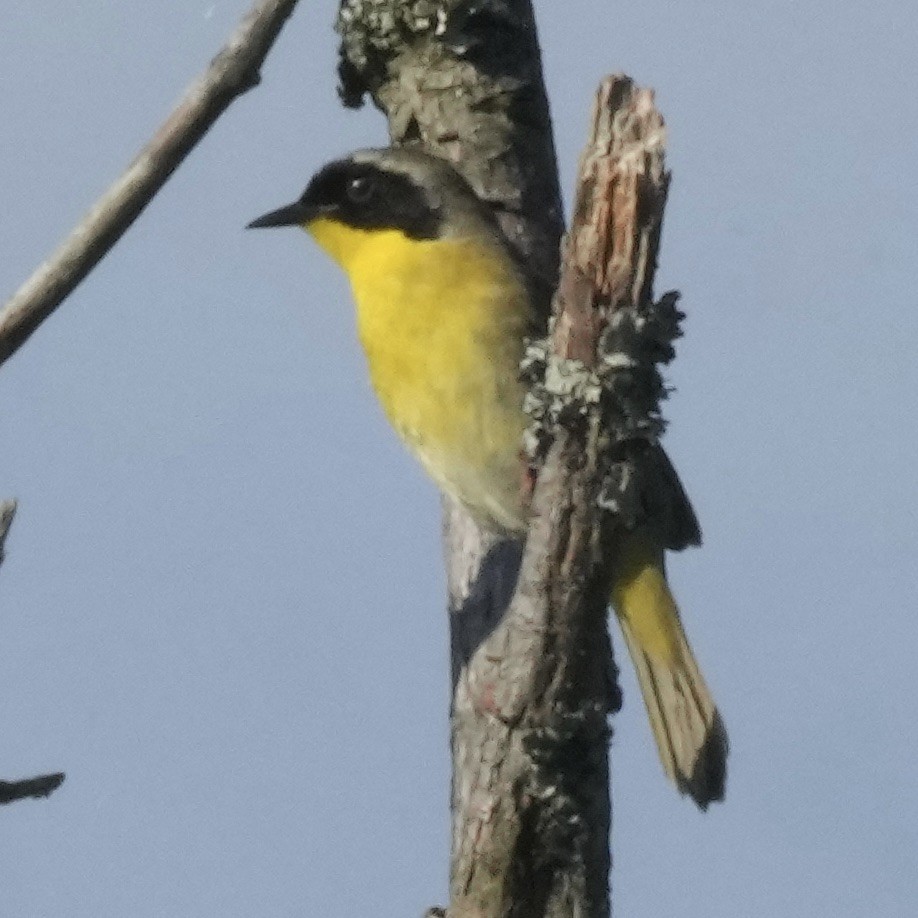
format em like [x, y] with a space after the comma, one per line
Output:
[484, 472]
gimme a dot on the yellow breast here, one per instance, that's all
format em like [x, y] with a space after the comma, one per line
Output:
[442, 323]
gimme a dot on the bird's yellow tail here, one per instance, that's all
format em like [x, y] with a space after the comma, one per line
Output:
[686, 725]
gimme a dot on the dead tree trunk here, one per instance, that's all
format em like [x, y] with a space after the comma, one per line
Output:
[533, 679]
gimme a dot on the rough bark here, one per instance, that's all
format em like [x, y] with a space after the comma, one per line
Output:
[41, 785]
[232, 72]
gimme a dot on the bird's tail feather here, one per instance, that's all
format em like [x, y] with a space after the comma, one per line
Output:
[688, 729]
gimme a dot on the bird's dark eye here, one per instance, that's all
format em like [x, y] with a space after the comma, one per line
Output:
[360, 189]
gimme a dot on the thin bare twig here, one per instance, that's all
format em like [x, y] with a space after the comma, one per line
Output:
[7, 512]
[42, 785]
[232, 72]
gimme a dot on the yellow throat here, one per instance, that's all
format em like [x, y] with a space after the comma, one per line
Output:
[442, 322]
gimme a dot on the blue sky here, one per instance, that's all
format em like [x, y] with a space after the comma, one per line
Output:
[222, 606]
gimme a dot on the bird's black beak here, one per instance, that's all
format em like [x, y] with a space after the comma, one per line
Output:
[294, 214]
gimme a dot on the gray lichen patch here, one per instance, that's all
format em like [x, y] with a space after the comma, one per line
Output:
[622, 393]
[563, 754]
[374, 32]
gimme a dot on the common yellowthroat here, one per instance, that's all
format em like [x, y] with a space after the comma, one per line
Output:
[442, 312]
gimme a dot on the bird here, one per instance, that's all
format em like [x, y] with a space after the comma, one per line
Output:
[443, 309]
